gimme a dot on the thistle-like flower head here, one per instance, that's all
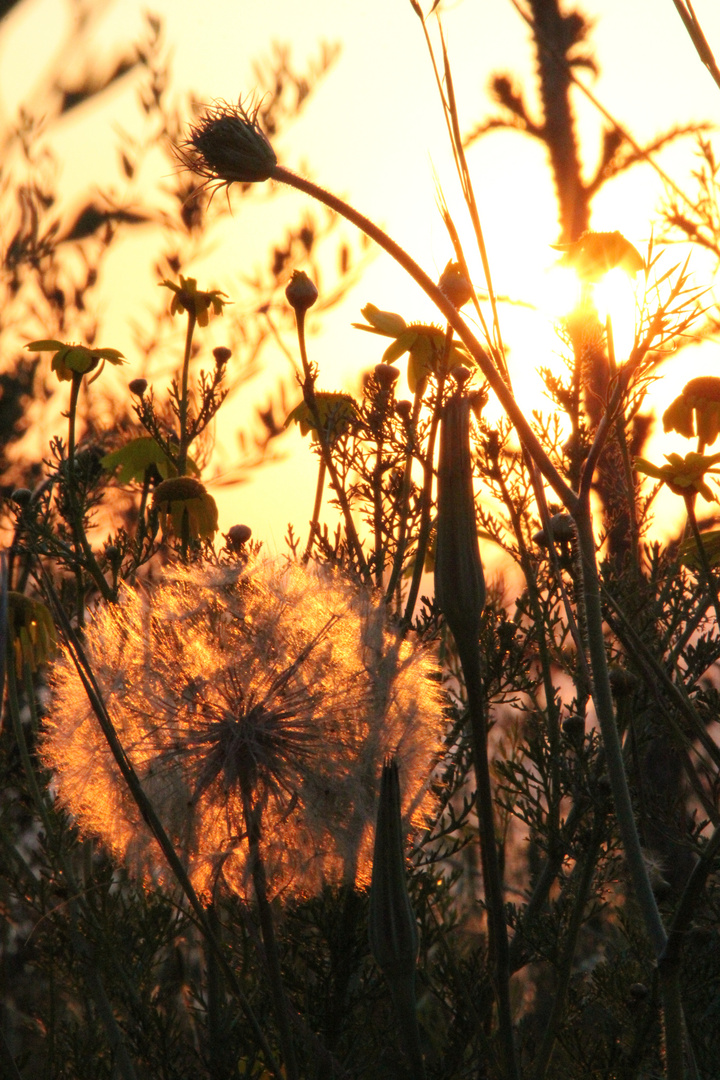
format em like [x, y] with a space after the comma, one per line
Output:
[263, 687]
[227, 146]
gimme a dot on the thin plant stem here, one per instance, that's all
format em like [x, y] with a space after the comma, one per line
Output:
[151, 818]
[309, 395]
[81, 541]
[184, 435]
[426, 498]
[497, 926]
[624, 454]
[267, 928]
[92, 978]
[377, 489]
[404, 502]
[702, 555]
[315, 520]
[689, 899]
[564, 967]
[602, 697]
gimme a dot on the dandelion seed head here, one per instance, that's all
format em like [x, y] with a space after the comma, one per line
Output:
[273, 686]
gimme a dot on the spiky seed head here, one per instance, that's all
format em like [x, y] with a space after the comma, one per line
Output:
[228, 146]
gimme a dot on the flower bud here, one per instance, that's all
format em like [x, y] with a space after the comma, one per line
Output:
[622, 682]
[574, 727]
[562, 530]
[301, 292]
[138, 387]
[21, 496]
[459, 578]
[404, 409]
[113, 555]
[237, 536]
[386, 375]
[222, 354]
[455, 285]
[461, 375]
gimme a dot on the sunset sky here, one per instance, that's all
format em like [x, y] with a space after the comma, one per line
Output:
[374, 132]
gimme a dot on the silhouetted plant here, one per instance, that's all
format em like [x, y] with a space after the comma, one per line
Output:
[218, 721]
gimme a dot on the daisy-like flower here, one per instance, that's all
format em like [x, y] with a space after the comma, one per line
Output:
[72, 360]
[683, 475]
[265, 693]
[193, 300]
[425, 344]
[228, 146]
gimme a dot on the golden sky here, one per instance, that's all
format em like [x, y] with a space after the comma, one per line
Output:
[374, 132]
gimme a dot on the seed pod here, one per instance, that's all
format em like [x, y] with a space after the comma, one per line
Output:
[459, 578]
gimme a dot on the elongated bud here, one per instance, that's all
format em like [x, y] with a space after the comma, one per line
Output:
[459, 578]
[393, 930]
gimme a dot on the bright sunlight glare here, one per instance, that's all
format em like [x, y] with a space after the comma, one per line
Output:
[558, 291]
[615, 297]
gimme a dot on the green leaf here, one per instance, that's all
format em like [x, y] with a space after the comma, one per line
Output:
[689, 555]
[136, 456]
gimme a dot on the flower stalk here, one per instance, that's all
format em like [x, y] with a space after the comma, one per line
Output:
[460, 592]
[300, 298]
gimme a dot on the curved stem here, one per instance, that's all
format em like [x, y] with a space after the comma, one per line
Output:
[702, 555]
[480, 356]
